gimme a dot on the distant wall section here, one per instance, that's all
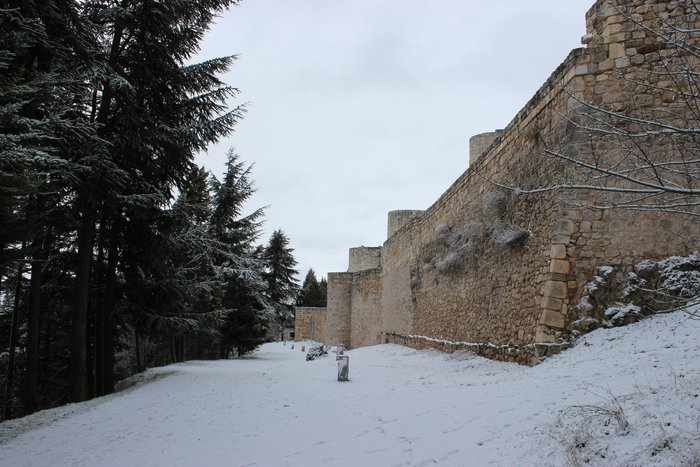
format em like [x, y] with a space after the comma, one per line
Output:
[363, 258]
[309, 323]
[478, 144]
[400, 218]
[366, 313]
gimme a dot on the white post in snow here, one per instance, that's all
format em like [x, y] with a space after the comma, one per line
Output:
[343, 367]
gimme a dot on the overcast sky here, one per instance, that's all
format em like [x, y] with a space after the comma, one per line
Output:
[360, 107]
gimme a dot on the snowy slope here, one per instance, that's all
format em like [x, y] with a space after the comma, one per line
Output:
[623, 396]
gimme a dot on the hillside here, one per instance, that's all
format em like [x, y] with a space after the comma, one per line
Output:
[622, 396]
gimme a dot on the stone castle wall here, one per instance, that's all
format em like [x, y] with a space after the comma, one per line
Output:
[398, 219]
[496, 272]
[479, 144]
[309, 323]
[339, 308]
[362, 258]
[366, 295]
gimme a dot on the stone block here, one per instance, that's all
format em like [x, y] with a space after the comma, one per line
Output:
[560, 266]
[562, 239]
[558, 252]
[541, 335]
[564, 227]
[555, 289]
[616, 51]
[637, 60]
[606, 65]
[570, 213]
[553, 304]
[553, 319]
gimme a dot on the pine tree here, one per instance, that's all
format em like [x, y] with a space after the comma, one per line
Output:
[101, 114]
[280, 276]
[236, 261]
[312, 291]
[323, 295]
[157, 111]
[44, 54]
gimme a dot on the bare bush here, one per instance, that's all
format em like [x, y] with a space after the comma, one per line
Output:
[452, 249]
[652, 425]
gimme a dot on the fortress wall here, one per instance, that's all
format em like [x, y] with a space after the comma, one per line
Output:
[339, 308]
[478, 144]
[366, 316]
[363, 258]
[625, 76]
[494, 271]
[495, 295]
[523, 295]
[400, 218]
[309, 323]
[397, 299]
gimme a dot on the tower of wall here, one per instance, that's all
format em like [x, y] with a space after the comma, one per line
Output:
[338, 309]
[363, 258]
[478, 144]
[398, 219]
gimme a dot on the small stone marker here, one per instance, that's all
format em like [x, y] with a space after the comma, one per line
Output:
[292, 346]
[303, 348]
[284, 343]
[343, 367]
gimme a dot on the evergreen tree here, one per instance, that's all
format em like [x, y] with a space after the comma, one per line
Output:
[282, 285]
[237, 262]
[280, 276]
[312, 291]
[101, 114]
[156, 111]
[323, 295]
[44, 57]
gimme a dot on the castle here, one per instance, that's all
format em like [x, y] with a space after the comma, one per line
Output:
[499, 272]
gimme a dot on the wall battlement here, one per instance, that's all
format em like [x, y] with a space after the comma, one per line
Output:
[479, 144]
[499, 273]
[397, 220]
[363, 258]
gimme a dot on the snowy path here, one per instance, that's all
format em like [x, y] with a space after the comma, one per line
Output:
[401, 407]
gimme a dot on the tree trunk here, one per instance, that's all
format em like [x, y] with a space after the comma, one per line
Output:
[173, 351]
[13, 343]
[98, 335]
[108, 319]
[31, 395]
[137, 347]
[90, 348]
[78, 356]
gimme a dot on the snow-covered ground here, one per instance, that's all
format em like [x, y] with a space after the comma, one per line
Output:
[623, 396]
